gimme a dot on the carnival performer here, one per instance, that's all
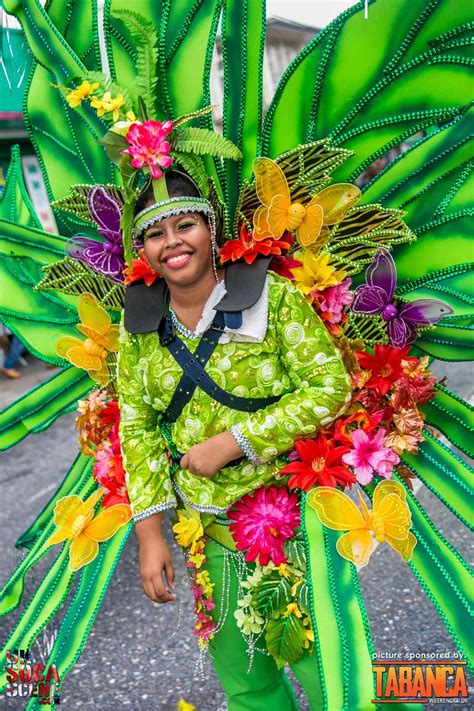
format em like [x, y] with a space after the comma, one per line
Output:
[274, 375]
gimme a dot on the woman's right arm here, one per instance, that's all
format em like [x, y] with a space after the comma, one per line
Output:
[155, 560]
[147, 471]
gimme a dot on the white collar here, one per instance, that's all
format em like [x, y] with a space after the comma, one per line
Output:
[254, 319]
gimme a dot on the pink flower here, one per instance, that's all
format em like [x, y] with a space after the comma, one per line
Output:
[263, 521]
[370, 456]
[148, 146]
[331, 302]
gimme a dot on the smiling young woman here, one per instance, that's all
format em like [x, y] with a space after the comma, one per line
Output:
[242, 367]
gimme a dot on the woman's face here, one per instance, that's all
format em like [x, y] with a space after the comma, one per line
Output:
[179, 248]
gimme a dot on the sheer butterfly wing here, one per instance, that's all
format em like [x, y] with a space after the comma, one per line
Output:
[424, 311]
[369, 300]
[106, 212]
[336, 200]
[395, 515]
[382, 273]
[310, 229]
[400, 332]
[404, 547]
[110, 340]
[261, 229]
[92, 314]
[81, 358]
[270, 181]
[335, 509]
[356, 546]
[278, 215]
[65, 344]
[107, 522]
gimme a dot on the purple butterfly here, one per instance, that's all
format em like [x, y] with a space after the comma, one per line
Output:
[106, 257]
[377, 297]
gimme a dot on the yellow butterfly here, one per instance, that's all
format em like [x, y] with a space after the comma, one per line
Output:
[75, 522]
[390, 520]
[102, 338]
[278, 213]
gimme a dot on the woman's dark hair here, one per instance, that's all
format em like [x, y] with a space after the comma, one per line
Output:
[178, 184]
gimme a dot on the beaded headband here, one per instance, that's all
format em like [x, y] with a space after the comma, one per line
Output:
[174, 206]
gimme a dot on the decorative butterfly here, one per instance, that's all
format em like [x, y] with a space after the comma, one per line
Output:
[75, 522]
[390, 520]
[106, 257]
[102, 338]
[377, 295]
[278, 213]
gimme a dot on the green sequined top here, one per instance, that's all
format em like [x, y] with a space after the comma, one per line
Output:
[296, 360]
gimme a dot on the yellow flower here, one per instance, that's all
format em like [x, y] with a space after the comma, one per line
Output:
[75, 97]
[189, 530]
[75, 522]
[130, 116]
[316, 273]
[108, 104]
[198, 559]
[185, 706]
[294, 587]
[292, 609]
[283, 570]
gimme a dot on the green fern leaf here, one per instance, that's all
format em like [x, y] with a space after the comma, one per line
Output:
[193, 115]
[194, 166]
[203, 142]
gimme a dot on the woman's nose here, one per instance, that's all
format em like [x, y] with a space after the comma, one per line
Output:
[172, 238]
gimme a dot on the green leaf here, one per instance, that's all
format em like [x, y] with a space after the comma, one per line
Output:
[273, 593]
[285, 638]
[114, 144]
[194, 166]
[303, 598]
[192, 116]
[202, 142]
[295, 552]
[15, 203]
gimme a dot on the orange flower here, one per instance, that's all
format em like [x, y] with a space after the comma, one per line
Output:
[140, 270]
[247, 248]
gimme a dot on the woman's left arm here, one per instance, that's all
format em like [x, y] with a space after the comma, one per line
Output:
[321, 384]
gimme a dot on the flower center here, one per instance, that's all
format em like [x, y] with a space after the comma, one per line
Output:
[318, 464]
[273, 532]
[386, 370]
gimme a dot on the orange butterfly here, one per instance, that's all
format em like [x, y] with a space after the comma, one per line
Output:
[278, 213]
[390, 520]
[102, 338]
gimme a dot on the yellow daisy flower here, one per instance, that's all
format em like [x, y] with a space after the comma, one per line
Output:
[317, 273]
[189, 530]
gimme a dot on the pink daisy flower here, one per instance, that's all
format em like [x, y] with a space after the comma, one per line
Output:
[369, 456]
[263, 521]
[149, 147]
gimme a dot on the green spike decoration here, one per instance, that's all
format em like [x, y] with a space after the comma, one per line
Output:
[360, 88]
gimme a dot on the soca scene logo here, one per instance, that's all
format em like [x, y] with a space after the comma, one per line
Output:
[27, 678]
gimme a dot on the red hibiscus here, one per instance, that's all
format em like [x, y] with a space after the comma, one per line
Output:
[385, 366]
[320, 465]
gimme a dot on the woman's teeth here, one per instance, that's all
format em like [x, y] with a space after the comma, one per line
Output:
[177, 260]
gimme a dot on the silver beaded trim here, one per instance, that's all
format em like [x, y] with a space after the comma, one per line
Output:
[181, 327]
[196, 205]
[245, 445]
[157, 508]
[196, 507]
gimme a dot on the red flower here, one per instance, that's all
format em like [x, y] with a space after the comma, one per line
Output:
[320, 464]
[284, 265]
[361, 420]
[109, 471]
[140, 270]
[385, 366]
[247, 248]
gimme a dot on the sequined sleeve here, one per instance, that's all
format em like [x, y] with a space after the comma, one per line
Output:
[143, 448]
[315, 368]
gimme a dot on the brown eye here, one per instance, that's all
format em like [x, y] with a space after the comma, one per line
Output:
[153, 235]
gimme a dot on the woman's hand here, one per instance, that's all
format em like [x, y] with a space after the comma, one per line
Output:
[205, 459]
[156, 565]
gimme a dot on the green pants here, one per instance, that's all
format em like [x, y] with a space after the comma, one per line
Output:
[264, 686]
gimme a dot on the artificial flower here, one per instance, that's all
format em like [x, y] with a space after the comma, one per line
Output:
[92, 428]
[407, 433]
[148, 147]
[75, 522]
[292, 609]
[108, 104]
[370, 456]
[122, 127]
[415, 386]
[184, 705]
[140, 270]
[317, 272]
[248, 249]
[360, 419]
[284, 265]
[320, 463]
[76, 96]
[331, 302]
[263, 521]
[189, 529]
[109, 471]
[385, 366]
[248, 619]
[348, 349]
